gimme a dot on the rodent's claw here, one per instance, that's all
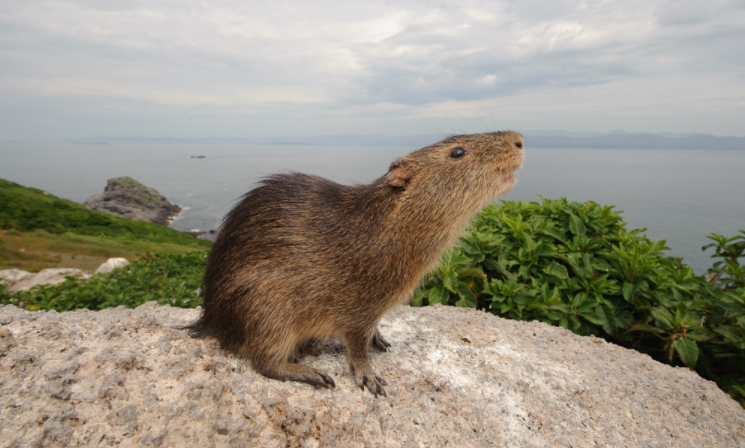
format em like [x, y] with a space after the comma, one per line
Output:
[319, 380]
[379, 342]
[375, 386]
[329, 382]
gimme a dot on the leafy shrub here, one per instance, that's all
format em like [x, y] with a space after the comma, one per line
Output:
[576, 266]
[172, 279]
[27, 209]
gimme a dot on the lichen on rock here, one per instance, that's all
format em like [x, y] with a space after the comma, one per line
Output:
[457, 377]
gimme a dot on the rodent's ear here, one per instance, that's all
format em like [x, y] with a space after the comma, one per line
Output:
[399, 174]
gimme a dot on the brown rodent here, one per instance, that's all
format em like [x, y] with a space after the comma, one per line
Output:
[302, 258]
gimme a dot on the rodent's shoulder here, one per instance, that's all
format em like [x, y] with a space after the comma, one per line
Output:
[298, 190]
[298, 181]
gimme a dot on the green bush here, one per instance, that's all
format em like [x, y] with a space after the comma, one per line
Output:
[576, 266]
[27, 209]
[172, 279]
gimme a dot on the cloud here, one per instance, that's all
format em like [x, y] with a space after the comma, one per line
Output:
[371, 66]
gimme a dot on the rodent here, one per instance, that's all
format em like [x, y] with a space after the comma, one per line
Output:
[301, 258]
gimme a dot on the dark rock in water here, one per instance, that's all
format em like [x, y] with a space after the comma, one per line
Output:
[203, 234]
[126, 198]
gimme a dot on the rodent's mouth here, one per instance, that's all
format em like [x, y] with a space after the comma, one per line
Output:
[509, 181]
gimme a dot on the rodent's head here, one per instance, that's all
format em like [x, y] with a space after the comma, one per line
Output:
[467, 169]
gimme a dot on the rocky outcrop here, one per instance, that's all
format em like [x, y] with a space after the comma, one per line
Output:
[126, 198]
[456, 377]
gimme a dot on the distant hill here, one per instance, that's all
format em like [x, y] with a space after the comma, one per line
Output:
[534, 139]
[636, 141]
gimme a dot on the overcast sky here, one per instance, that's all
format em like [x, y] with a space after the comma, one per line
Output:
[238, 68]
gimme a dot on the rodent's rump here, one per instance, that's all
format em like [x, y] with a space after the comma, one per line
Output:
[302, 258]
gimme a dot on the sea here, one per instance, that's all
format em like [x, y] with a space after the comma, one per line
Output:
[680, 196]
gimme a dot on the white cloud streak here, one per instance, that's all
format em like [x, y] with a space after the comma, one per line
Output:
[239, 68]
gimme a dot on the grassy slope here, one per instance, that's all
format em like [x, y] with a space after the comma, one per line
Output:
[38, 250]
[28, 209]
[43, 231]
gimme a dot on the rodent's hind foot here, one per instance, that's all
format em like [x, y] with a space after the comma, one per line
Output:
[368, 379]
[303, 374]
[378, 341]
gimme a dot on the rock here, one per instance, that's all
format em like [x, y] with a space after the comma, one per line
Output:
[457, 377]
[111, 264]
[18, 280]
[126, 198]
[12, 276]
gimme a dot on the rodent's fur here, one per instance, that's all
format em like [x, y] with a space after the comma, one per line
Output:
[302, 258]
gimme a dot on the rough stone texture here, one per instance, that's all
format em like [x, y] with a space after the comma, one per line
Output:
[458, 378]
[126, 198]
[111, 264]
[19, 280]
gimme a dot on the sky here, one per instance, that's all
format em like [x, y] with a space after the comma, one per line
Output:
[241, 68]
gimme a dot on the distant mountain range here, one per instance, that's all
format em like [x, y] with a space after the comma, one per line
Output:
[533, 139]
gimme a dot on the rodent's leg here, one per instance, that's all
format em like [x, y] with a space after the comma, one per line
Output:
[379, 342]
[302, 373]
[360, 365]
[310, 347]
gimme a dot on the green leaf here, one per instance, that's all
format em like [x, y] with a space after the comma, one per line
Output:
[544, 250]
[556, 233]
[698, 336]
[688, 351]
[524, 271]
[644, 327]
[419, 294]
[576, 226]
[524, 298]
[450, 280]
[438, 294]
[663, 318]
[469, 272]
[470, 248]
[730, 333]
[592, 317]
[628, 291]
[740, 389]
[468, 299]
[556, 270]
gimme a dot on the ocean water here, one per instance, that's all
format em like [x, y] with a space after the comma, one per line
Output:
[677, 195]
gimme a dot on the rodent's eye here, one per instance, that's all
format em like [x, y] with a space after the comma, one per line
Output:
[519, 145]
[457, 153]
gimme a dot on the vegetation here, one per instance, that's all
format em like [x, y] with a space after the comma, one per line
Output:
[169, 279]
[576, 266]
[28, 209]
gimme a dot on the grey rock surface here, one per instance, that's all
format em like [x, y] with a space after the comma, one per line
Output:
[19, 280]
[457, 378]
[126, 198]
[111, 264]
